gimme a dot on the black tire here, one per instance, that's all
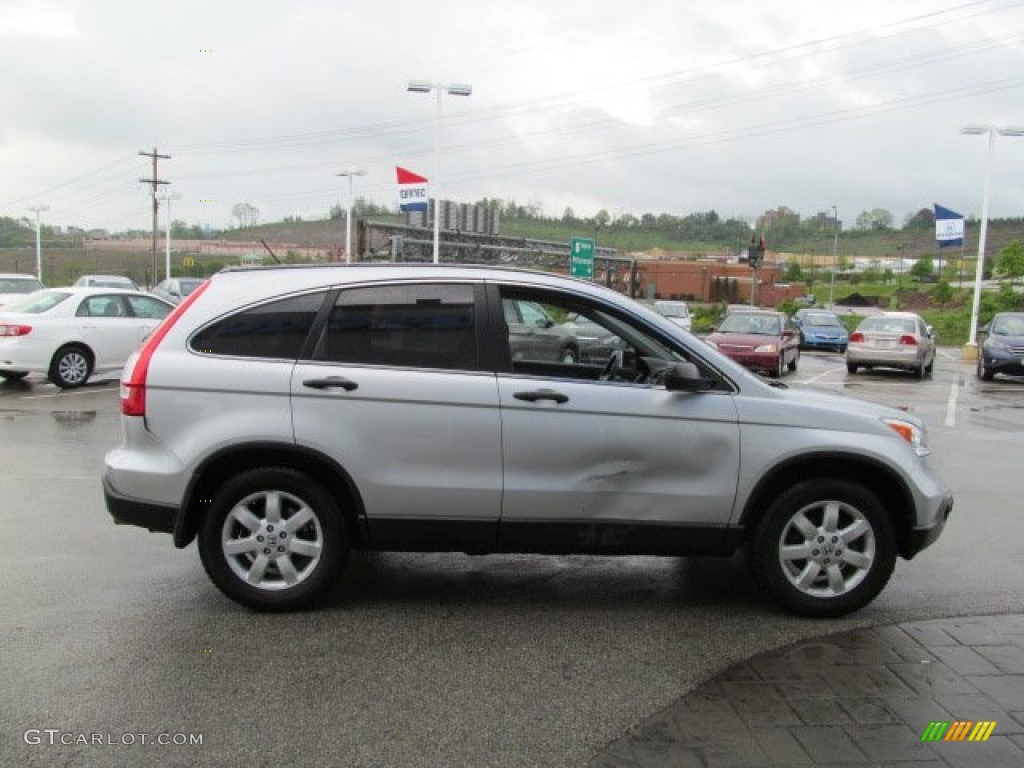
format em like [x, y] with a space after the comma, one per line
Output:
[848, 540]
[851, 367]
[919, 371]
[793, 363]
[13, 375]
[780, 367]
[841, 350]
[985, 374]
[71, 366]
[569, 355]
[312, 551]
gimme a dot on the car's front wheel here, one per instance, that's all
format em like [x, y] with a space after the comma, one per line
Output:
[274, 539]
[70, 367]
[984, 373]
[792, 364]
[824, 548]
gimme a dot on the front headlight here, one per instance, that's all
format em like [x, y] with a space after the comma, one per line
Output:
[912, 433]
[767, 349]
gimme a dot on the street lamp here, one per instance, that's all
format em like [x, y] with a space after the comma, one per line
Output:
[452, 89]
[835, 259]
[348, 212]
[991, 130]
[37, 209]
[167, 197]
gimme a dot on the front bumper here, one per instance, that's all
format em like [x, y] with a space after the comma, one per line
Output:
[921, 538]
[1003, 362]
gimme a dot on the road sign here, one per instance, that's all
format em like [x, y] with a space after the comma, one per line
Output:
[581, 257]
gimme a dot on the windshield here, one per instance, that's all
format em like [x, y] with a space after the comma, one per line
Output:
[750, 322]
[37, 303]
[19, 285]
[672, 310]
[821, 320]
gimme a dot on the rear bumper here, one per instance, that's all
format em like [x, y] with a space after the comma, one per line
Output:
[144, 514]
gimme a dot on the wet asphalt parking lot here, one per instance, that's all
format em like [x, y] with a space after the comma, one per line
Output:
[111, 634]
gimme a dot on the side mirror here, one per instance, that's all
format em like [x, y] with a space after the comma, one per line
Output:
[685, 377]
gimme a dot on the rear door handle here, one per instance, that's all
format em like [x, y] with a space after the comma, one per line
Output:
[331, 382]
[541, 394]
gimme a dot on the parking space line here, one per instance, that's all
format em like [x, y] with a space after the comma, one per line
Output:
[65, 394]
[954, 391]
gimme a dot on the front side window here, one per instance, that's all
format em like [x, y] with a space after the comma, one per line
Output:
[143, 306]
[419, 326]
[276, 330]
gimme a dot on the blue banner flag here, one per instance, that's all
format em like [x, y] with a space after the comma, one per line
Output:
[949, 227]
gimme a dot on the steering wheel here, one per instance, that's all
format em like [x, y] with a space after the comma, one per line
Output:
[613, 366]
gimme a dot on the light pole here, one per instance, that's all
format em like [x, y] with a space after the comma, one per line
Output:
[37, 209]
[835, 259]
[348, 212]
[452, 89]
[167, 197]
[991, 130]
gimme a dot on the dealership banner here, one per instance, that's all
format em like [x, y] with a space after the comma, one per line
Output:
[412, 190]
[949, 227]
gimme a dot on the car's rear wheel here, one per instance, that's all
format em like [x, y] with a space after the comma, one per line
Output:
[70, 367]
[851, 367]
[824, 548]
[919, 371]
[274, 539]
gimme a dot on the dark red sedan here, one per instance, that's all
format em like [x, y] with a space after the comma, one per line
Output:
[760, 340]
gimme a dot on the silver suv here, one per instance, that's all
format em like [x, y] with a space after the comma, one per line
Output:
[284, 416]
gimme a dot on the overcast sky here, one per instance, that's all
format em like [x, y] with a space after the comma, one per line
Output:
[635, 106]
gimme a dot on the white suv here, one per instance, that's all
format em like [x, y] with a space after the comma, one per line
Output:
[284, 416]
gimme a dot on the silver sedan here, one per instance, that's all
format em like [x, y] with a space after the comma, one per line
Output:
[892, 340]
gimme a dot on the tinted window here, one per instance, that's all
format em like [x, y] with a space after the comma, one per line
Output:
[275, 330]
[422, 326]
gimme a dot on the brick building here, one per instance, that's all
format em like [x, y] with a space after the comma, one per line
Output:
[714, 281]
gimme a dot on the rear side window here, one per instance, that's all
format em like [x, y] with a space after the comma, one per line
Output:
[275, 330]
[420, 326]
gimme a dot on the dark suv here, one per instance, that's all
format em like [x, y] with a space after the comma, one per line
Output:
[285, 416]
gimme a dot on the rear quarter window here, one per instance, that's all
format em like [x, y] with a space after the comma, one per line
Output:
[276, 330]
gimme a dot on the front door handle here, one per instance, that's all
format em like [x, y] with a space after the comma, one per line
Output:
[541, 394]
[331, 382]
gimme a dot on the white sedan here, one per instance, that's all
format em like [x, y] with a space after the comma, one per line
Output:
[68, 334]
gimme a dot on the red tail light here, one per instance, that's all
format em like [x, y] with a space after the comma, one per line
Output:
[908, 340]
[133, 383]
[15, 330]
[856, 337]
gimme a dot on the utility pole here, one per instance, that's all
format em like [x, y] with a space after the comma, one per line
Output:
[155, 181]
[37, 209]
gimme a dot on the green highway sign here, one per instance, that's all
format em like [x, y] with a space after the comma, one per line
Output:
[581, 257]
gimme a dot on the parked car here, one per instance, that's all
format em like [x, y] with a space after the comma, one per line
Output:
[892, 340]
[14, 286]
[676, 311]
[821, 330]
[106, 281]
[1002, 346]
[284, 416]
[176, 288]
[593, 340]
[760, 340]
[68, 334]
[534, 335]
